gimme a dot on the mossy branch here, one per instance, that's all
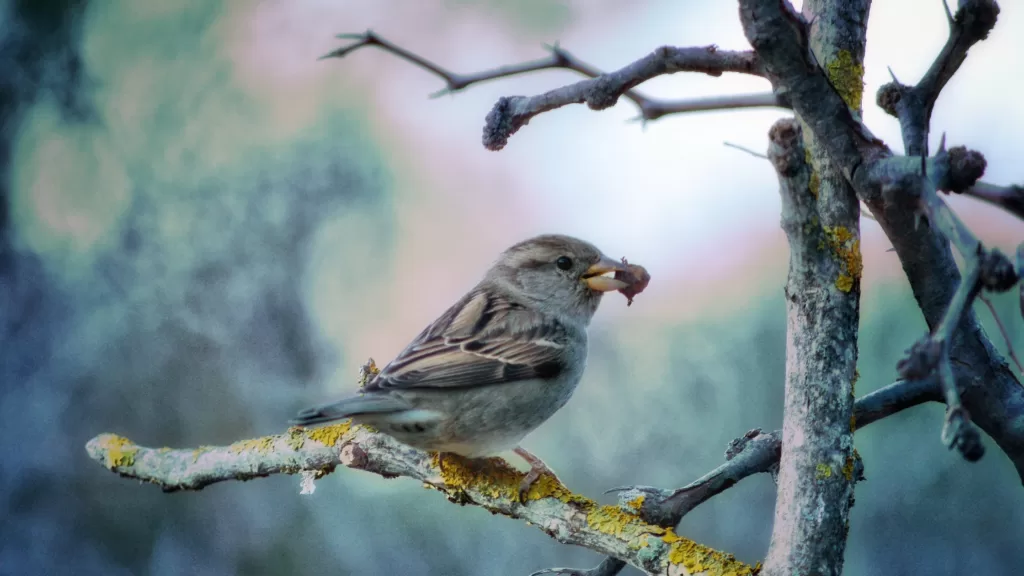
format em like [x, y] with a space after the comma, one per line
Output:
[491, 484]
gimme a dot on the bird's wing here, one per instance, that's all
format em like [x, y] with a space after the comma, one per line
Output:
[484, 339]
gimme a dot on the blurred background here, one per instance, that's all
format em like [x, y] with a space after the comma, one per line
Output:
[203, 229]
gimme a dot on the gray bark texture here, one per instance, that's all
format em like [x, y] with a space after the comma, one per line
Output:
[816, 468]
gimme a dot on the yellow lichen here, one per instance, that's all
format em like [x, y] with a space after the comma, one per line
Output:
[846, 247]
[296, 437]
[848, 469]
[617, 522]
[844, 282]
[847, 76]
[822, 472]
[814, 183]
[329, 435]
[119, 450]
[367, 372]
[495, 478]
[697, 558]
[199, 452]
[261, 445]
[636, 503]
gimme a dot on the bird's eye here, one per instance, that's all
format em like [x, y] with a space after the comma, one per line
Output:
[563, 263]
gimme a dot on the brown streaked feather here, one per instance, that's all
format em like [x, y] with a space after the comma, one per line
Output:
[485, 339]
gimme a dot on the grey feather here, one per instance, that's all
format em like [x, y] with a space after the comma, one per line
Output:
[366, 404]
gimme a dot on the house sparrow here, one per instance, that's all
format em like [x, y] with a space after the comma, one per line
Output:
[498, 363]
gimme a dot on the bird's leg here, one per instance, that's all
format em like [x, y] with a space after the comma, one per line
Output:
[537, 467]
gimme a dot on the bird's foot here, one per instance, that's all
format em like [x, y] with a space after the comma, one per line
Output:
[537, 468]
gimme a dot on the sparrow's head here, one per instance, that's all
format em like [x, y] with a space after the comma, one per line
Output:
[561, 275]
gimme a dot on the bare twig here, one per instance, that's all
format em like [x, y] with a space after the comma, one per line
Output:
[454, 81]
[1009, 198]
[1002, 330]
[655, 109]
[650, 108]
[913, 105]
[511, 113]
[490, 484]
[747, 150]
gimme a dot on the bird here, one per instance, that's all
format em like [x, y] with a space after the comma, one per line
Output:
[497, 364]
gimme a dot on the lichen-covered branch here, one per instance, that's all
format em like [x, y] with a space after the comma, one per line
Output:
[511, 113]
[491, 484]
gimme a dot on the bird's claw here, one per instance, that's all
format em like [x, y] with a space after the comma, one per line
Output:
[537, 468]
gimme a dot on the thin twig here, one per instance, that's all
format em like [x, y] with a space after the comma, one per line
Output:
[558, 59]
[747, 150]
[655, 109]
[1002, 330]
[1009, 198]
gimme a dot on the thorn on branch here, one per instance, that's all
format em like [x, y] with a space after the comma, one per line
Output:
[747, 150]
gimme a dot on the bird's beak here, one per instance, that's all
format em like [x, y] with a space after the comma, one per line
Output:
[596, 278]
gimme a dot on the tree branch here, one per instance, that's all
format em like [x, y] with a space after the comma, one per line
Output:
[491, 484]
[650, 108]
[753, 453]
[511, 113]
[913, 105]
[1009, 198]
[990, 391]
[985, 269]
[758, 452]
[655, 109]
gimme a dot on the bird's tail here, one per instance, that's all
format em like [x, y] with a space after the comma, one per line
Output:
[367, 404]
